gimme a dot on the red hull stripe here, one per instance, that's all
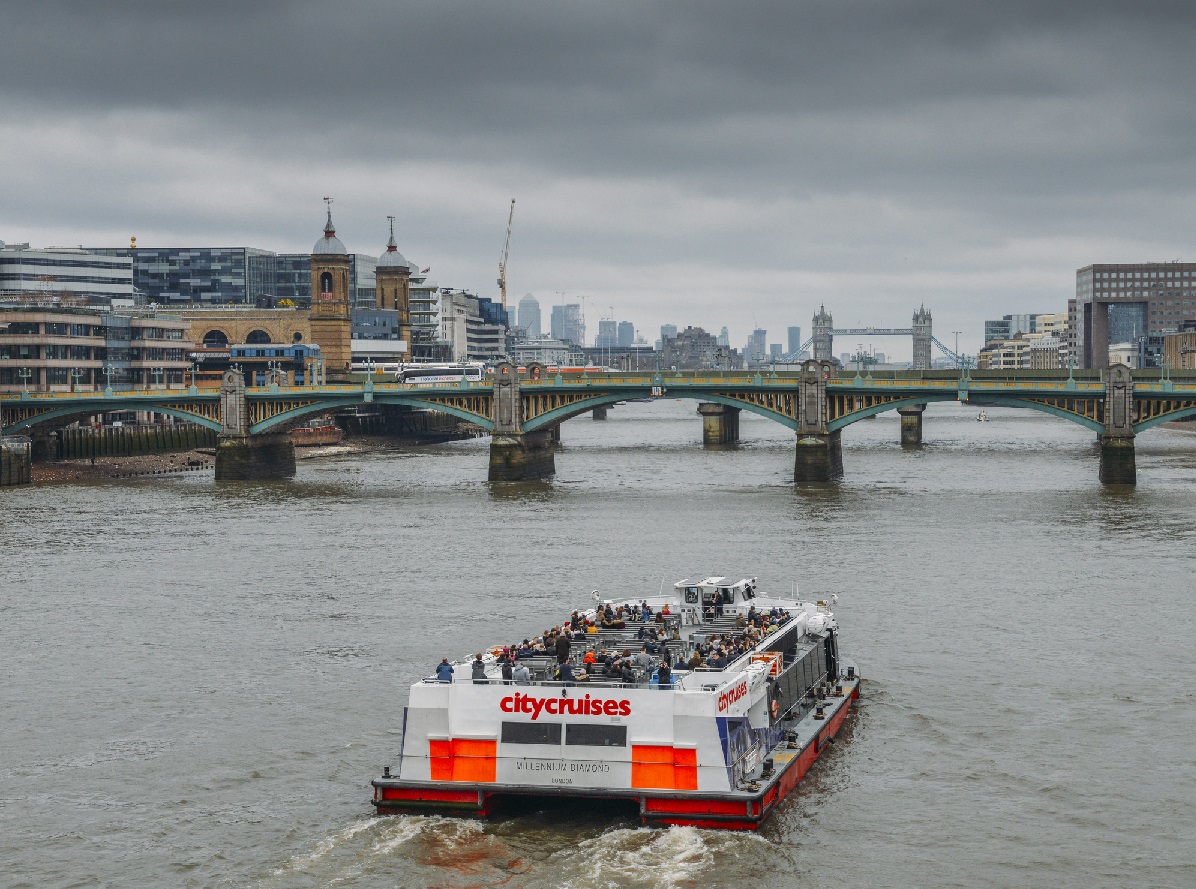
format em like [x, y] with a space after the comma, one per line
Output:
[439, 796]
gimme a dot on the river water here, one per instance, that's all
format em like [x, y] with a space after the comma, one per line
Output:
[200, 679]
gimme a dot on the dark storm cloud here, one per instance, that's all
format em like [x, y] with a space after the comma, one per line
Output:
[867, 153]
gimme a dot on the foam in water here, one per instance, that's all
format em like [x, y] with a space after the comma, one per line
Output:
[674, 857]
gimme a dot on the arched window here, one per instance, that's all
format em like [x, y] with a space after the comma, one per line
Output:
[326, 282]
[215, 339]
[257, 337]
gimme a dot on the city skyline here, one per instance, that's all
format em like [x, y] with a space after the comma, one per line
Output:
[968, 158]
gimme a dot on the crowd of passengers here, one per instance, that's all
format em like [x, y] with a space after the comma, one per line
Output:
[620, 665]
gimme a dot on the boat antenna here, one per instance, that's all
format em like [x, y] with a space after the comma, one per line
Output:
[662, 580]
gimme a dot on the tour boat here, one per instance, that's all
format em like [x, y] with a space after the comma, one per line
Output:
[718, 746]
[317, 433]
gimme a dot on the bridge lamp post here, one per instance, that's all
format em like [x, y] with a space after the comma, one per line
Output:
[24, 373]
[108, 371]
[75, 374]
[194, 371]
[157, 374]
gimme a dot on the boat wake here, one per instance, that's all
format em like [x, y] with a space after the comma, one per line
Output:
[650, 857]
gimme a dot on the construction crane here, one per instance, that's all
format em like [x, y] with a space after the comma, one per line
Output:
[502, 265]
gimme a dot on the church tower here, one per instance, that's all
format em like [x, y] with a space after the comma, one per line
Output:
[393, 274]
[331, 322]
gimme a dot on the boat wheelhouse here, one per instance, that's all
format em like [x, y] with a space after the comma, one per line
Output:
[703, 705]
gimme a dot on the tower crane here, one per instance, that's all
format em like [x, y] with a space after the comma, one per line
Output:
[502, 265]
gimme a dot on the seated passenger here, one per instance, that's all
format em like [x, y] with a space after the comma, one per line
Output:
[564, 673]
[591, 629]
[589, 658]
[444, 671]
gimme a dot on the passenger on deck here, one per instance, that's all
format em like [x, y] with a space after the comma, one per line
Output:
[591, 629]
[574, 621]
[635, 612]
[507, 673]
[664, 676]
[479, 670]
[695, 661]
[589, 660]
[720, 662]
[626, 674]
[525, 650]
[643, 659]
[444, 671]
[740, 621]
[562, 649]
[564, 673]
[645, 612]
[523, 676]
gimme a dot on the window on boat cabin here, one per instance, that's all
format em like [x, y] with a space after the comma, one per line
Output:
[691, 595]
[531, 733]
[596, 735]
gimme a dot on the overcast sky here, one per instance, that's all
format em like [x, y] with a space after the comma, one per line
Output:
[697, 163]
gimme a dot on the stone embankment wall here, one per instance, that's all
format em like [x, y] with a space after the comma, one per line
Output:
[79, 444]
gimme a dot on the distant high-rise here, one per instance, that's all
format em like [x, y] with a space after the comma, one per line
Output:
[668, 332]
[757, 345]
[608, 334]
[775, 350]
[626, 334]
[567, 324]
[794, 340]
[724, 338]
[529, 315]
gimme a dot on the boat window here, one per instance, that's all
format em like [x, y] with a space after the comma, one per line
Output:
[596, 735]
[531, 733]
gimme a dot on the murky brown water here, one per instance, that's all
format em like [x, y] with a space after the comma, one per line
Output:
[199, 680]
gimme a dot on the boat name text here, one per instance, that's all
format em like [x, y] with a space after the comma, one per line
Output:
[586, 706]
[729, 697]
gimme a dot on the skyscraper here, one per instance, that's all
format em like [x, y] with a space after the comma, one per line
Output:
[757, 345]
[668, 331]
[626, 333]
[794, 340]
[608, 334]
[724, 338]
[529, 315]
[567, 324]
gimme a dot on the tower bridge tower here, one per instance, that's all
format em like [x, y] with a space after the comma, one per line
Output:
[823, 340]
[921, 336]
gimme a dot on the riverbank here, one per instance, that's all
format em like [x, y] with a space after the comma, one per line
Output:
[94, 468]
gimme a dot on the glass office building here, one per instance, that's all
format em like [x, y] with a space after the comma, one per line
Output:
[200, 275]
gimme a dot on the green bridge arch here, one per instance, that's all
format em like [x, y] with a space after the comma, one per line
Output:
[78, 410]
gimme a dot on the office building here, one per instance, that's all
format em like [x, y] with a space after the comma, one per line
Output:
[626, 334]
[757, 345]
[608, 334]
[667, 332]
[775, 350]
[695, 349]
[529, 316]
[60, 349]
[1179, 348]
[1120, 302]
[724, 338]
[794, 340]
[543, 349]
[64, 275]
[473, 327]
[567, 324]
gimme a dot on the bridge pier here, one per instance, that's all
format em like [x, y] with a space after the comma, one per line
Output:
[911, 425]
[15, 462]
[241, 456]
[254, 457]
[1118, 465]
[720, 424]
[819, 458]
[1117, 462]
[43, 446]
[522, 457]
[599, 413]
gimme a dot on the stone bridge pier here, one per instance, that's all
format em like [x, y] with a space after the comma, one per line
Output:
[819, 451]
[241, 456]
[1117, 462]
[911, 425]
[516, 455]
[720, 424]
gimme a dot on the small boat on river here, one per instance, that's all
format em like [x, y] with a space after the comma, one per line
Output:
[704, 705]
[317, 433]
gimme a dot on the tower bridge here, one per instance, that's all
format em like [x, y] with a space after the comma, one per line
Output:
[523, 410]
[921, 332]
